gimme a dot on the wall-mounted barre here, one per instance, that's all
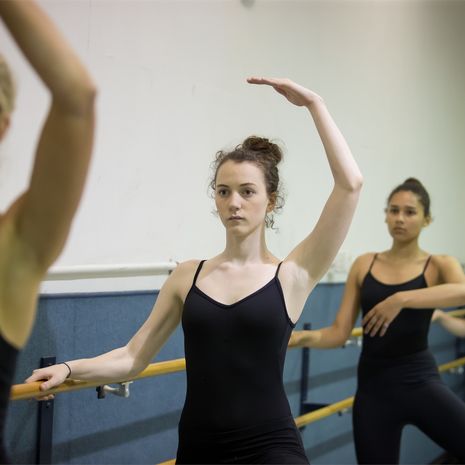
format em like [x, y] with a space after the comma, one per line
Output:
[109, 271]
[31, 390]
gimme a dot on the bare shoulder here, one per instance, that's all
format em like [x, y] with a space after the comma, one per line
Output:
[361, 265]
[442, 261]
[185, 270]
[449, 268]
[182, 277]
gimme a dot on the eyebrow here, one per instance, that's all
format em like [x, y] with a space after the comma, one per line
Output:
[241, 185]
[393, 205]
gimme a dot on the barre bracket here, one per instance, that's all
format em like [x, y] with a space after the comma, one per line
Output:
[122, 390]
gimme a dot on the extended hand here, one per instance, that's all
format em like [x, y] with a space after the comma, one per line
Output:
[381, 316]
[52, 375]
[295, 93]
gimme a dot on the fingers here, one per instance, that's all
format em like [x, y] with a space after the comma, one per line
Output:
[262, 81]
[45, 398]
[384, 328]
[373, 324]
[52, 376]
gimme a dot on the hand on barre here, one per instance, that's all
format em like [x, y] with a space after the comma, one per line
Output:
[52, 376]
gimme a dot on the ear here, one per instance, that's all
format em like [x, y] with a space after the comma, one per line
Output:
[4, 124]
[427, 221]
[271, 202]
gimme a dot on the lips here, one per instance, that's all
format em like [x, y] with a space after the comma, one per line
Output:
[235, 218]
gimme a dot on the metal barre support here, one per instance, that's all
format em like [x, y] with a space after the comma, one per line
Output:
[45, 423]
[122, 390]
[305, 406]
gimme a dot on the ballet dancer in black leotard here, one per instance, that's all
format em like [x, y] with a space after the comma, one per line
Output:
[398, 380]
[238, 308]
[34, 228]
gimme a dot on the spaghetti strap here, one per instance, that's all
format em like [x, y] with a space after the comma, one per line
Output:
[277, 269]
[198, 271]
[427, 263]
[373, 261]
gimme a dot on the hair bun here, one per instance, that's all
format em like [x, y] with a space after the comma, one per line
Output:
[413, 181]
[264, 147]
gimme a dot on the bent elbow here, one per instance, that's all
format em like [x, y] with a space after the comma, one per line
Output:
[356, 183]
[78, 100]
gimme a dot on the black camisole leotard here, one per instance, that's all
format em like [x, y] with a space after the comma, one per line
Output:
[236, 409]
[399, 383]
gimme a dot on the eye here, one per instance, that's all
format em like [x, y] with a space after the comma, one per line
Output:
[393, 210]
[248, 192]
[222, 192]
[411, 212]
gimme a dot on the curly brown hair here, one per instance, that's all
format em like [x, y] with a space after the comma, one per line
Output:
[266, 155]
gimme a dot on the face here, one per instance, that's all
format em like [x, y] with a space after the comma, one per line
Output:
[240, 196]
[405, 216]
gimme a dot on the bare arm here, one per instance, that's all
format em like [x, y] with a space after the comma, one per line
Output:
[316, 253]
[338, 333]
[127, 361]
[451, 292]
[43, 215]
[454, 325]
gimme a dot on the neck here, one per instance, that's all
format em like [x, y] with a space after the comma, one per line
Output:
[247, 249]
[405, 250]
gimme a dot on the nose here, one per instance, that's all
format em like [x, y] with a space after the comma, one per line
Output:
[400, 217]
[234, 202]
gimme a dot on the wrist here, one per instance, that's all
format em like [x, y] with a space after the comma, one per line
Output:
[314, 102]
[66, 365]
[400, 299]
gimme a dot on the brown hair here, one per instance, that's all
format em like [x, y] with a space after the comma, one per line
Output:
[263, 153]
[415, 186]
[7, 89]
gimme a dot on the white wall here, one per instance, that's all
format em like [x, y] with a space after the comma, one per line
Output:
[172, 91]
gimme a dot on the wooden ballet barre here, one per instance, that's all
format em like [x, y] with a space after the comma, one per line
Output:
[31, 390]
[324, 412]
[451, 365]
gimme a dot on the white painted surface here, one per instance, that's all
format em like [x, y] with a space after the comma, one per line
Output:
[171, 77]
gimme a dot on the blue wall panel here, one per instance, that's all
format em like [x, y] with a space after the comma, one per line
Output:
[142, 428]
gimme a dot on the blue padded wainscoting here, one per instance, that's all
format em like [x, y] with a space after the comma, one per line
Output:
[143, 428]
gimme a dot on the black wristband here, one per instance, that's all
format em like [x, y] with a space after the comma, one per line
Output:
[69, 368]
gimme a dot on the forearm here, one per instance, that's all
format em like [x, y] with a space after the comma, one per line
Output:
[454, 325]
[115, 365]
[442, 295]
[343, 166]
[49, 54]
[324, 338]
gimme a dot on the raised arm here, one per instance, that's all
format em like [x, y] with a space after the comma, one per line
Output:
[129, 360]
[42, 215]
[316, 252]
[338, 333]
[450, 292]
